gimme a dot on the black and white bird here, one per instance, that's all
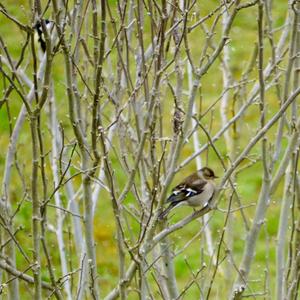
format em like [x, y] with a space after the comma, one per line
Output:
[196, 190]
[39, 36]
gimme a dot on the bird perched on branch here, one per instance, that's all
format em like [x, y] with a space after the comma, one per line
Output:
[196, 190]
[39, 37]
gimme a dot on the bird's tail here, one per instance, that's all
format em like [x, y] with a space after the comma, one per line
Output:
[165, 212]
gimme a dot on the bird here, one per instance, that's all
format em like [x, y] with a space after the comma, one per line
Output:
[39, 37]
[196, 190]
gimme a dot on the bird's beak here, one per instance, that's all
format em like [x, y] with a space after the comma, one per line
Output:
[216, 176]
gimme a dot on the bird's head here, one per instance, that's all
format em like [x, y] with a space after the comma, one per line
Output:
[207, 173]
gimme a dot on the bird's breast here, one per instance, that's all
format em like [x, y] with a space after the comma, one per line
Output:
[202, 198]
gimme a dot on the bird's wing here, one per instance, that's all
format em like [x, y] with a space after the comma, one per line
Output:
[186, 190]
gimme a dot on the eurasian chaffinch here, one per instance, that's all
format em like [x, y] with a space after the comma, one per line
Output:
[195, 190]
